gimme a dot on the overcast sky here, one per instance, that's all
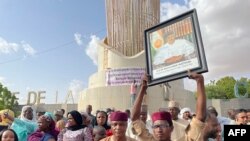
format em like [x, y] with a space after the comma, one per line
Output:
[225, 32]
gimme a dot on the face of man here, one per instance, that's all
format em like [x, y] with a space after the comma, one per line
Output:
[119, 128]
[128, 113]
[89, 109]
[212, 127]
[248, 116]
[241, 118]
[231, 114]
[170, 39]
[161, 130]
[58, 117]
[38, 114]
[174, 111]
[186, 115]
[143, 116]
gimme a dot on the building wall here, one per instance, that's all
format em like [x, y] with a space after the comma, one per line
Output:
[223, 105]
[154, 100]
[101, 96]
[119, 98]
[53, 107]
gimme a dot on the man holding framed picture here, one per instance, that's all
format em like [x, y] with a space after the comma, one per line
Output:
[197, 130]
[174, 46]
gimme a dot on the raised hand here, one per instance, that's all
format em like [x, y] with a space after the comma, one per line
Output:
[144, 80]
[195, 76]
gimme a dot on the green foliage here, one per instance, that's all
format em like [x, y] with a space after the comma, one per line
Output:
[7, 100]
[215, 92]
[242, 90]
[227, 85]
[224, 88]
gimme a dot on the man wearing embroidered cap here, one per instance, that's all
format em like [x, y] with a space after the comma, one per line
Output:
[162, 123]
[179, 124]
[119, 123]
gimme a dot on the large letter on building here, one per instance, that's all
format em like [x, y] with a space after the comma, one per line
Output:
[40, 97]
[29, 97]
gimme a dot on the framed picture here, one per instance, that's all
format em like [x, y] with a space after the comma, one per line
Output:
[173, 47]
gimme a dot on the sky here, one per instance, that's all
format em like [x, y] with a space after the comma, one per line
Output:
[50, 45]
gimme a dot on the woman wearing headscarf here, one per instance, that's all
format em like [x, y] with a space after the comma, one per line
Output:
[46, 130]
[75, 130]
[25, 125]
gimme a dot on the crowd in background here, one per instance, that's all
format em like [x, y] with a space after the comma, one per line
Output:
[173, 123]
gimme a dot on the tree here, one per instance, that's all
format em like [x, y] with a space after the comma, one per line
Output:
[7, 100]
[215, 92]
[248, 88]
[224, 88]
[244, 87]
[227, 85]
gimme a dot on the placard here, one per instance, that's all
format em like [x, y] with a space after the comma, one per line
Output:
[173, 47]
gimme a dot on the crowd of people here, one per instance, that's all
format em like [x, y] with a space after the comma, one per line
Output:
[173, 123]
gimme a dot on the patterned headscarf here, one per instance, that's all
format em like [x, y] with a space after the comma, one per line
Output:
[49, 120]
[38, 135]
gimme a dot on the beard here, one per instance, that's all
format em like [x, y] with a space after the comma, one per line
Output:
[213, 134]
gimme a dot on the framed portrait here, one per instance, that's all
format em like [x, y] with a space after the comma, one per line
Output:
[173, 47]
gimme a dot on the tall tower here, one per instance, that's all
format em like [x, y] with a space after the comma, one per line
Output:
[121, 58]
[126, 22]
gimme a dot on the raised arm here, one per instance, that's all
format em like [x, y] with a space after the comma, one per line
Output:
[201, 96]
[6, 115]
[136, 110]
